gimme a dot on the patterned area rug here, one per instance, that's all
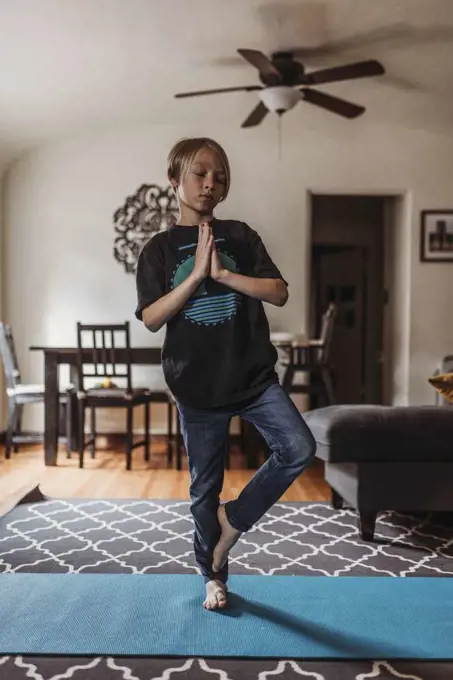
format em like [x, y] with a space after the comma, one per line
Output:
[136, 536]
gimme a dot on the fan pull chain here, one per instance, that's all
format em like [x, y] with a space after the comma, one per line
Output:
[279, 132]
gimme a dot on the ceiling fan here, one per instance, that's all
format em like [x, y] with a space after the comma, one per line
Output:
[281, 73]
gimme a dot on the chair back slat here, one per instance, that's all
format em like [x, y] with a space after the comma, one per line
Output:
[328, 325]
[317, 352]
[98, 348]
[9, 356]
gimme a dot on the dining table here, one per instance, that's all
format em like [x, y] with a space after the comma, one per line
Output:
[54, 357]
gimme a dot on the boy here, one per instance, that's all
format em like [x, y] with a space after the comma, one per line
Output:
[207, 279]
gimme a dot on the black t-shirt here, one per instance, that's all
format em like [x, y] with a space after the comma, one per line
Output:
[217, 349]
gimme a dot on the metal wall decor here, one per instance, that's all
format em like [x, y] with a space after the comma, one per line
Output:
[150, 210]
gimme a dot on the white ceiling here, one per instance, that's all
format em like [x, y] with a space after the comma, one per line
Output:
[70, 67]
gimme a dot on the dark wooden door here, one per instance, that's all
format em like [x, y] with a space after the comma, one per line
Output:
[348, 264]
[342, 280]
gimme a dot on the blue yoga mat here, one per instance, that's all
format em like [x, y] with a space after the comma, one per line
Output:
[268, 616]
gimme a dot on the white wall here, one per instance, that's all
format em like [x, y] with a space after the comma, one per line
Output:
[59, 201]
[2, 274]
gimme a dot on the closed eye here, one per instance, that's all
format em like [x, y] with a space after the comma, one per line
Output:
[220, 180]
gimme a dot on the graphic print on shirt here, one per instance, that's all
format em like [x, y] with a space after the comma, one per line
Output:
[212, 303]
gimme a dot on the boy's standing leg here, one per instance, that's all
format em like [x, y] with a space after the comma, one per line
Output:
[292, 448]
[205, 435]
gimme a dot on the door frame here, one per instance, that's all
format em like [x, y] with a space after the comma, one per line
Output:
[397, 268]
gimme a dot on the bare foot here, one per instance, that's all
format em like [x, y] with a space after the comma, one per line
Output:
[216, 595]
[228, 538]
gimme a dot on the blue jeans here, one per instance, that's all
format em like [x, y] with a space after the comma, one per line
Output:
[205, 435]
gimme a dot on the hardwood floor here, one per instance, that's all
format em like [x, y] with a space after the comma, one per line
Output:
[106, 476]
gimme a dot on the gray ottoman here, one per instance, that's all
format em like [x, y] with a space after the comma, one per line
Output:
[386, 458]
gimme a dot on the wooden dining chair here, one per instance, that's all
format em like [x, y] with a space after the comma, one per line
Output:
[313, 359]
[22, 394]
[103, 353]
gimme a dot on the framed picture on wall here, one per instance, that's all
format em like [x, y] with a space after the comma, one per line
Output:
[436, 236]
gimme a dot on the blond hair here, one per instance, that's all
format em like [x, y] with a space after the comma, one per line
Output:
[183, 153]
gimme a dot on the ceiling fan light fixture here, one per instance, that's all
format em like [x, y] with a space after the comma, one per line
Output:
[279, 98]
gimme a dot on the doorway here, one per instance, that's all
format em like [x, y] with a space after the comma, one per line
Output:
[347, 261]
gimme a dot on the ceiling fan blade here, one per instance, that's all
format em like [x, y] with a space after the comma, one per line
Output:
[334, 104]
[257, 115]
[361, 69]
[245, 88]
[261, 62]
[382, 34]
[394, 35]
